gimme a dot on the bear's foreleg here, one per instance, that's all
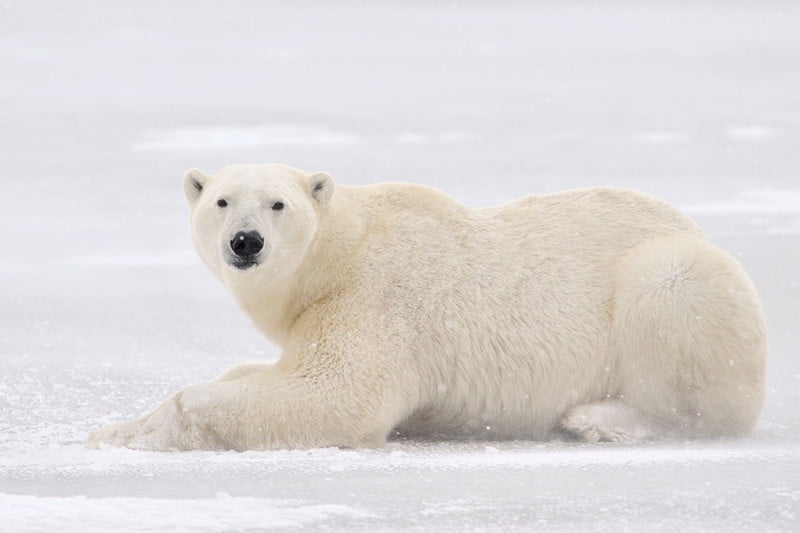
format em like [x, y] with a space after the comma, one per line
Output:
[255, 408]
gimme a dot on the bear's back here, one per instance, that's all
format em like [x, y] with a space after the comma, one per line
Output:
[518, 286]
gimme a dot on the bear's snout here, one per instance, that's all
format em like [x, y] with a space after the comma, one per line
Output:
[246, 244]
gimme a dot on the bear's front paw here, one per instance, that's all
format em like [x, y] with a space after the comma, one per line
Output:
[132, 434]
[160, 430]
[190, 420]
[114, 435]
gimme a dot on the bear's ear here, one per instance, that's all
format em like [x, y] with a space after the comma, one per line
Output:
[193, 183]
[320, 186]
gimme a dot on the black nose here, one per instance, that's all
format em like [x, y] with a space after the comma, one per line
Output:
[247, 243]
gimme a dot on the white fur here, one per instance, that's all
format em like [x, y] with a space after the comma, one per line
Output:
[603, 312]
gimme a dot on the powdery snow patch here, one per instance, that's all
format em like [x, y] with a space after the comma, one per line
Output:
[750, 133]
[660, 137]
[232, 137]
[23, 513]
[443, 137]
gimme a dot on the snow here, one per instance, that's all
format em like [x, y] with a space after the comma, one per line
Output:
[105, 309]
[148, 514]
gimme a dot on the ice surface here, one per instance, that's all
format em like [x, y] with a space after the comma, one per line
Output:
[222, 512]
[105, 311]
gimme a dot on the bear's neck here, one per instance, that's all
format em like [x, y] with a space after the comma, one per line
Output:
[325, 270]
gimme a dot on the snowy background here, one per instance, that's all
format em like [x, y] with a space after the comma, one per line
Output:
[105, 310]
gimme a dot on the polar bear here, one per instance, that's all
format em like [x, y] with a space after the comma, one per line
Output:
[603, 313]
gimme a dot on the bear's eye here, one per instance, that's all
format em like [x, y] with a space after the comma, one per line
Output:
[222, 202]
[277, 206]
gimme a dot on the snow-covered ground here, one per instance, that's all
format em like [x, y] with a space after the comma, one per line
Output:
[105, 311]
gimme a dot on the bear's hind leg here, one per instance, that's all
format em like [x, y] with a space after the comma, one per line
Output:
[688, 337]
[611, 421]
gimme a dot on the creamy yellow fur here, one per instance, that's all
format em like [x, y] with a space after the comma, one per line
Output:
[604, 313]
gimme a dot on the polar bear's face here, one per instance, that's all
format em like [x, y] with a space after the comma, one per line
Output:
[255, 221]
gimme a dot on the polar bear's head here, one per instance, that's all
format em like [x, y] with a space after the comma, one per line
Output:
[255, 221]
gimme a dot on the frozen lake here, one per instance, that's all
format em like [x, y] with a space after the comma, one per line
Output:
[105, 310]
